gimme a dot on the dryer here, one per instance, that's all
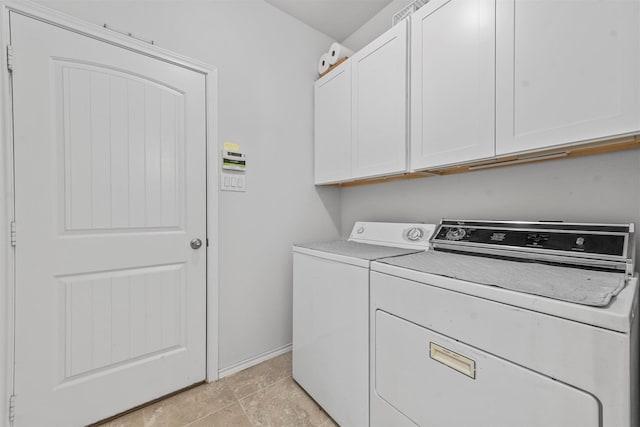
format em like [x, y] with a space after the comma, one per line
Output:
[507, 324]
[331, 313]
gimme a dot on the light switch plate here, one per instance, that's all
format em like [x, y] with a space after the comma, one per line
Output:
[232, 181]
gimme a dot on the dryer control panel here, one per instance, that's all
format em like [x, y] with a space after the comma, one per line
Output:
[538, 240]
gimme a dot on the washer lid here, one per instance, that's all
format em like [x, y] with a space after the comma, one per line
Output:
[357, 250]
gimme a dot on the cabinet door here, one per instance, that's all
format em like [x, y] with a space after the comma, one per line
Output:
[380, 105]
[452, 82]
[332, 143]
[567, 71]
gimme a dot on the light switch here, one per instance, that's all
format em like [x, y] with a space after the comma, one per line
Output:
[232, 181]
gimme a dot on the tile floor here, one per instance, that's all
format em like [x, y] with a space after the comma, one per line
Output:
[263, 395]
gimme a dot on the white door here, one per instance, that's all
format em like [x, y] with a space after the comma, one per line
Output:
[379, 75]
[110, 190]
[332, 142]
[567, 71]
[452, 82]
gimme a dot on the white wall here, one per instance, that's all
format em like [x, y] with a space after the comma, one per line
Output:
[602, 188]
[375, 26]
[266, 68]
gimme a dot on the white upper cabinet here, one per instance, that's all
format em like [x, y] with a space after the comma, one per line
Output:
[488, 78]
[379, 76]
[332, 144]
[567, 71]
[452, 82]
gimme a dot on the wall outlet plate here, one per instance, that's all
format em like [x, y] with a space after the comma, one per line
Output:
[232, 181]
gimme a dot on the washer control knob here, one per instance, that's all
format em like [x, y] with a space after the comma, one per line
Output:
[415, 234]
[456, 233]
[580, 241]
[360, 230]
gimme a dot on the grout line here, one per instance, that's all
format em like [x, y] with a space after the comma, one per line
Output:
[264, 388]
[256, 392]
[259, 388]
[246, 414]
[219, 410]
[209, 414]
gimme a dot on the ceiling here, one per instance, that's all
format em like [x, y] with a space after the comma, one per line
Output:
[335, 18]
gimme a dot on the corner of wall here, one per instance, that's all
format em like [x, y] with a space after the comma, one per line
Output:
[375, 26]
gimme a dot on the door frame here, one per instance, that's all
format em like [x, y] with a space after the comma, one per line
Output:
[7, 200]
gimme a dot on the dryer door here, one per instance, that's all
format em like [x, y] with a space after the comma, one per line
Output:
[436, 381]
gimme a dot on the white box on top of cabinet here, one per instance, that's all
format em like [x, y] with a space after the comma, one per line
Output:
[361, 113]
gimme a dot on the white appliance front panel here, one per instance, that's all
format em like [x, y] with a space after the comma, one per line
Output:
[573, 353]
[434, 391]
[331, 336]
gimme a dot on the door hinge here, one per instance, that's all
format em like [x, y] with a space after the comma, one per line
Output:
[13, 233]
[10, 58]
[12, 408]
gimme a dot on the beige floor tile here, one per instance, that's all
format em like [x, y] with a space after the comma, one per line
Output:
[134, 419]
[260, 376]
[283, 404]
[330, 423]
[189, 406]
[230, 416]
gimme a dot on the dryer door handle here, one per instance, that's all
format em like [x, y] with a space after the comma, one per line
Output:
[454, 360]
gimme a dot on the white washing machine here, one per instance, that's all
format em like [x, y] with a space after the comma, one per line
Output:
[331, 313]
[507, 324]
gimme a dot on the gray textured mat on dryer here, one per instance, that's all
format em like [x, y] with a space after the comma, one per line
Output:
[588, 287]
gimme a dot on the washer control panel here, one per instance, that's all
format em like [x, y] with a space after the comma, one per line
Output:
[398, 234]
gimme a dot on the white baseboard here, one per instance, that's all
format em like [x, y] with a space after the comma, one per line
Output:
[247, 363]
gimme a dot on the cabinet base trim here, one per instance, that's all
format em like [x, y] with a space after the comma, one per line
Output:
[564, 152]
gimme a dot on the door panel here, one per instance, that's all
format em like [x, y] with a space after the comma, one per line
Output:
[379, 76]
[332, 143]
[567, 71]
[131, 181]
[110, 188]
[453, 82]
[111, 317]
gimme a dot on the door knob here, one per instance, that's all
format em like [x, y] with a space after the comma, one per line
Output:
[196, 243]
